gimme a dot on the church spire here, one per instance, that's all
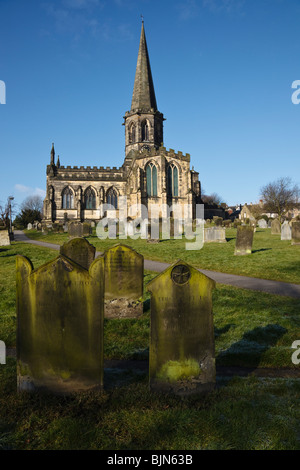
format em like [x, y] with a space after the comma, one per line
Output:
[52, 155]
[143, 98]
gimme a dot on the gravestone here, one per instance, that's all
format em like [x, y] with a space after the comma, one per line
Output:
[215, 235]
[244, 240]
[295, 233]
[124, 276]
[59, 325]
[275, 227]
[286, 231]
[4, 238]
[86, 229]
[29, 226]
[269, 223]
[154, 230]
[181, 355]
[80, 251]
[79, 229]
[262, 223]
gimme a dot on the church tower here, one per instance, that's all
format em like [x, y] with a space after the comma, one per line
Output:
[143, 123]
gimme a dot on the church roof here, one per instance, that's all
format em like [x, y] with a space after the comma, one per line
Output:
[143, 97]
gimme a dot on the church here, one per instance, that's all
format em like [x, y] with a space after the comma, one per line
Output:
[150, 174]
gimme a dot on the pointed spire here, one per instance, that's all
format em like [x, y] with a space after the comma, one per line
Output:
[143, 97]
[58, 162]
[52, 155]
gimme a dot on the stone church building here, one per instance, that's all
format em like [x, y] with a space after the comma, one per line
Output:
[149, 175]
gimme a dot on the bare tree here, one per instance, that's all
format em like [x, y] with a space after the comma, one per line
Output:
[280, 196]
[33, 203]
[5, 211]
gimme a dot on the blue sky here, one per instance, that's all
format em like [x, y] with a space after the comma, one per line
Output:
[222, 71]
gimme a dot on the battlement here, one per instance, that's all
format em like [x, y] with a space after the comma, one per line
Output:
[77, 169]
[172, 153]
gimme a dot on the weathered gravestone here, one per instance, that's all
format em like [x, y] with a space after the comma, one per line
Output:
[262, 223]
[275, 227]
[244, 240]
[4, 238]
[214, 234]
[286, 231]
[295, 233]
[59, 325]
[80, 251]
[29, 226]
[79, 229]
[182, 355]
[124, 276]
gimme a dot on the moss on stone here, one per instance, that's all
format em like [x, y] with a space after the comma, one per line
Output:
[179, 370]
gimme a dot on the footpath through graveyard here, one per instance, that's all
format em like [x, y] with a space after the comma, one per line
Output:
[243, 282]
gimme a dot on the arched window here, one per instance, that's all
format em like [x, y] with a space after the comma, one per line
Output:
[89, 199]
[172, 180]
[67, 199]
[151, 176]
[132, 134]
[145, 131]
[112, 198]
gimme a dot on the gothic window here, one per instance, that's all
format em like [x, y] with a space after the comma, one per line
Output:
[132, 134]
[67, 199]
[172, 180]
[145, 131]
[112, 198]
[89, 199]
[151, 177]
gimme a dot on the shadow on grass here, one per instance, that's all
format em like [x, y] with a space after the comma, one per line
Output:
[249, 350]
[222, 331]
[261, 249]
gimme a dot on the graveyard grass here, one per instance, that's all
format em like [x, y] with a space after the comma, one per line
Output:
[251, 329]
[271, 257]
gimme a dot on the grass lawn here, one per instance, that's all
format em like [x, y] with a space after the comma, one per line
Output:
[242, 413]
[271, 258]
[251, 329]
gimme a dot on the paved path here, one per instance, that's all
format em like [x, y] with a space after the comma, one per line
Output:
[251, 283]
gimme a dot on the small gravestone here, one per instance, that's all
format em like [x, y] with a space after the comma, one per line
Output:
[4, 238]
[295, 233]
[79, 229]
[286, 231]
[214, 235]
[244, 240]
[182, 354]
[29, 226]
[124, 277]
[154, 231]
[60, 325]
[275, 227]
[86, 229]
[262, 223]
[80, 251]
[269, 223]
